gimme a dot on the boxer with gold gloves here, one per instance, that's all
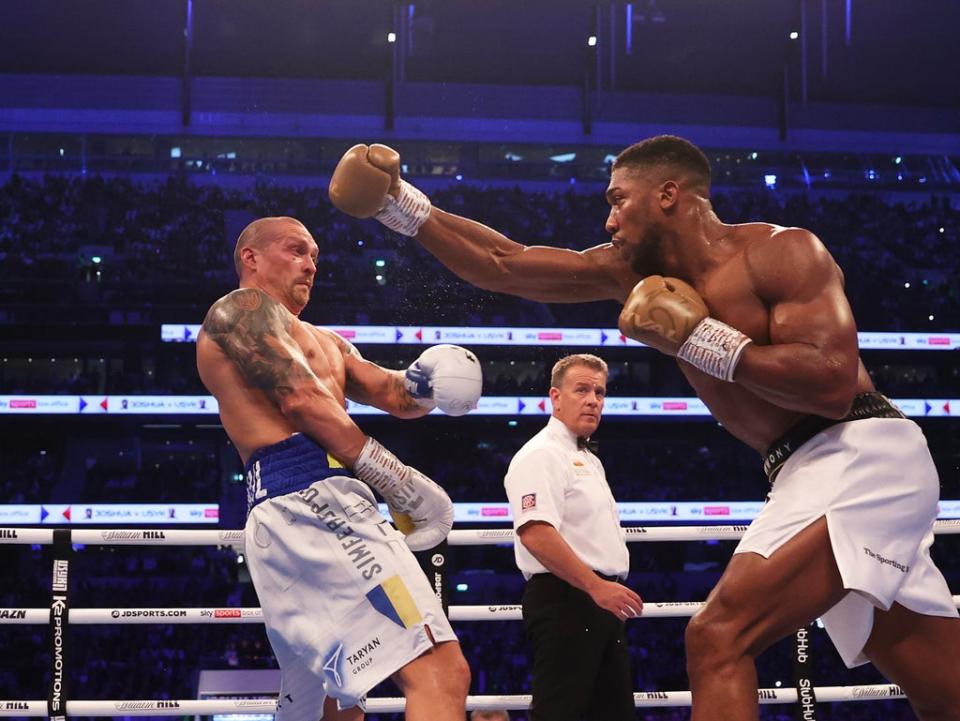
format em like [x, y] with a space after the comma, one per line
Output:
[757, 318]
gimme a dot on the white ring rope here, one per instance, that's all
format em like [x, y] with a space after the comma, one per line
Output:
[178, 616]
[234, 538]
[209, 707]
[480, 537]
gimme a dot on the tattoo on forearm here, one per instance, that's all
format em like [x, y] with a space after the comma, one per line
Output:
[403, 401]
[254, 331]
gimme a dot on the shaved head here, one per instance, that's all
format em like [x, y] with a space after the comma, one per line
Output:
[259, 234]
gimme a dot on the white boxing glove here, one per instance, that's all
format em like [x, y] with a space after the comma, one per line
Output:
[447, 377]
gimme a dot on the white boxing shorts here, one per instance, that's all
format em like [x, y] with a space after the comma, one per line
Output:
[345, 601]
[875, 482]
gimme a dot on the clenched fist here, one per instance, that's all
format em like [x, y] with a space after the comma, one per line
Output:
[669, 315]
[366, 184]
[662, 313]
[362, 179]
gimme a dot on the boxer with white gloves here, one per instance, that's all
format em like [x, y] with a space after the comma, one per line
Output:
[331, 573]
[757, 318]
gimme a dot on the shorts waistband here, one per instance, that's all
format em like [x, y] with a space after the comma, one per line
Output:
[865, 405]
[286, 467]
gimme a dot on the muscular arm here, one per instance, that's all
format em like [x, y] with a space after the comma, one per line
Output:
[374, 385]
[812, 362]
[253, 331]
[489, 260]
[547, 545]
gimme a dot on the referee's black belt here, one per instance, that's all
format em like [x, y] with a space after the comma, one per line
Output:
[865, 405]
[604, 576]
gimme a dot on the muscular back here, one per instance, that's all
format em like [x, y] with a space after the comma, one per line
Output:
[253, 354]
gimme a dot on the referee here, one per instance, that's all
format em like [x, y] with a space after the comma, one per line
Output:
[573, 553]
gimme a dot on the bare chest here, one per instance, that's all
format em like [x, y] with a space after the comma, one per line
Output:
[730, 297]
[323, 357]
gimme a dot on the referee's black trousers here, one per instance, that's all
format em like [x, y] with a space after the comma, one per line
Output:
[581, 668]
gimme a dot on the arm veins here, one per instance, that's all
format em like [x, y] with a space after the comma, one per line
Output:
[253, 330]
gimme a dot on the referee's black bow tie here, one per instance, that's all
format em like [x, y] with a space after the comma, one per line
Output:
[588, 443]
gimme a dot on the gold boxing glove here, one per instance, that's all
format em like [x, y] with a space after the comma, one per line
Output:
[366, 184]
[669, 315]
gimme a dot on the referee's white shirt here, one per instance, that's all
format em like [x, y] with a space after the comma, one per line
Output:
[551, 480]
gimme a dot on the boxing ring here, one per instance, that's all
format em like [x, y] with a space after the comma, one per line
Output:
[59, 615]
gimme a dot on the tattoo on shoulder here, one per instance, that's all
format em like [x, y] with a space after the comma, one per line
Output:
[253, 330]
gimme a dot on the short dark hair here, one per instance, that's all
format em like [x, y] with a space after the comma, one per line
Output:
[670, 151]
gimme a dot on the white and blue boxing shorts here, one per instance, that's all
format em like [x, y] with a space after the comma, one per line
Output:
[344, 600]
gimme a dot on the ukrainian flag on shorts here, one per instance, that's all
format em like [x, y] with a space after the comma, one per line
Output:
[393, 600]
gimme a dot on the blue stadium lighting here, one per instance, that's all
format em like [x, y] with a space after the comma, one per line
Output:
[923, 179]
[899, 176]
[380, 263]
[563, 158]
[459, 176]
[753, 156]
[512, 424]
[897, 160]
[513, 157]
[61, 152]
[871, 174]
[359, 243]
[770, 180]
[175, 152]
[462, 587]
[827, 174]
[95, 259]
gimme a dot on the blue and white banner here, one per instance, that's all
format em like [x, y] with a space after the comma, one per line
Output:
[570, 337]
[638, 406]
[496, 512]
[79, 514]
